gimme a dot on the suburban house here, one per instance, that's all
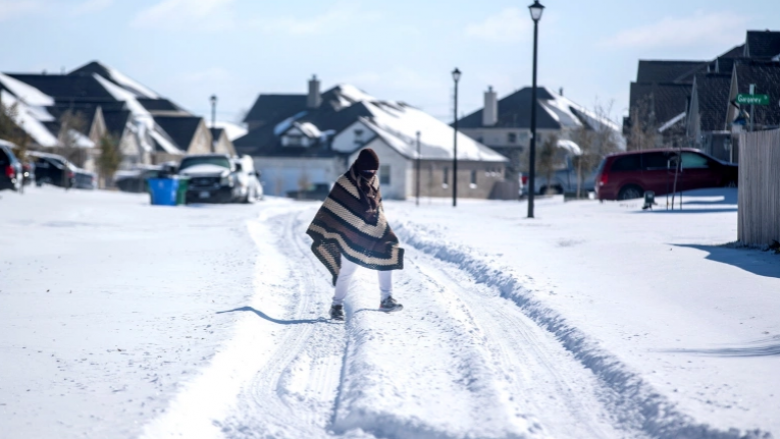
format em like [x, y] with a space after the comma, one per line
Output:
[505, 125]
[692, 103]
[78, 108]
[300, 140]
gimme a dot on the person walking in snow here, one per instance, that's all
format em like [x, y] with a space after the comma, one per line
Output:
[351, 230]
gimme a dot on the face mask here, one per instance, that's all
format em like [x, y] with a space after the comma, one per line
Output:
[367, 174]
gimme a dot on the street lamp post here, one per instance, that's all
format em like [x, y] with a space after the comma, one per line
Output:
[418, 169]
[536, 15]
[456, 78]
[213, 100]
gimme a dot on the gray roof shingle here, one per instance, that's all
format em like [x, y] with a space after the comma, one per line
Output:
[762, 44]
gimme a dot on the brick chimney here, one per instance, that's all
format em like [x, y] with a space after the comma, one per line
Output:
[490, 112]
[314, 99]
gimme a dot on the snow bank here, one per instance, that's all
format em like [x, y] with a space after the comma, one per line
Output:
[634, 401]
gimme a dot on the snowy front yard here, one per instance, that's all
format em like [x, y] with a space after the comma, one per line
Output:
[119, 319]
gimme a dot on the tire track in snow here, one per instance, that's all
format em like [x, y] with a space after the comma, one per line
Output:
[539, 376]
[293, 394]
[634, 403]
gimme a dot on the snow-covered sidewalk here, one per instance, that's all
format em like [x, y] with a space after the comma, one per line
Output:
[592, 321]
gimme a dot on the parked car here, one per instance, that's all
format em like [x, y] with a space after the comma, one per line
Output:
[628, 175]
[218, 178]
[317, 191]
[134, 180]
[28, 173]
[10, 168]
[563, 179]
[58, 171]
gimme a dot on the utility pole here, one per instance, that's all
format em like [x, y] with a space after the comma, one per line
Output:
[536, 14]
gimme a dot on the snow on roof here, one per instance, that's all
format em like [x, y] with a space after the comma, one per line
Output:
[671, 122]
[141, 116]
[81, 141]
[308, 129]
[354, 94]
[26, 93]
[398, 124]
[125, 96]
[26, 119]
[570, 146]
[285, 125]
[130, 85]
[165, 144]
[232, 130]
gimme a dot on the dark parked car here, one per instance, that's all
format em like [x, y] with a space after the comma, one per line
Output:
[135, 180]
[628, 175]
[58, 171]
[10, 168]
[218, 178]
[317, 191]
[28, 173]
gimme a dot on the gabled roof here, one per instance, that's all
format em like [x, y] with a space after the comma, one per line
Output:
[161, 105]
[663, 101]
[116, 121]
[712, 93]
[116, 77]
[514, 111]
[64, 88]
[667, 71]
[273, 108]
[216, 133]
[766, 77]
[762, 44]
[344, 105]
[181, 129]
[86, 112]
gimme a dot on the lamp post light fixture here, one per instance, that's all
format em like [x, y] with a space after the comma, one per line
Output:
[536, 10]
[213, 100]
[456, 78]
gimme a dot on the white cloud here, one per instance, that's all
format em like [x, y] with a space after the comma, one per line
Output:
[16, 8]
[508, 26]
[186, 15]
[701, 29]
[91, 6]
[340, 15]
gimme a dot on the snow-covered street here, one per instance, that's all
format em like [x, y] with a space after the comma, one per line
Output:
[119, 319]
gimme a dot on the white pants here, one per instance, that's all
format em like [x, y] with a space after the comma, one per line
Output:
[345, 278]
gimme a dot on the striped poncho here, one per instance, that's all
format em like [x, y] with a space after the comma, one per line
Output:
[344, 225]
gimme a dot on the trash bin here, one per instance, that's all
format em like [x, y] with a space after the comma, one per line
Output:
[181, 191]
[163, 191]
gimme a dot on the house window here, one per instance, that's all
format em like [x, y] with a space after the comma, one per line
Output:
[358, 137]
[445, 177]
[473, 184]
[511, 137]
[384, 174]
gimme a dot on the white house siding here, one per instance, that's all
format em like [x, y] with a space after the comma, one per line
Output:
[282, 174]
[347, 141]
[399, 165]
[201, 141]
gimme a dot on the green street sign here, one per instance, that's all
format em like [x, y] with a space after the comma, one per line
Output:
[746, 99]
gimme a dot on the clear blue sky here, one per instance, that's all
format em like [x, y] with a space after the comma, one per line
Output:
[398, 50]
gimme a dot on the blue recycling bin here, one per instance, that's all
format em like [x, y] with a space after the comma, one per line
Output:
[163, 191]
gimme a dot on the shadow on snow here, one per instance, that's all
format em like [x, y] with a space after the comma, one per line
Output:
[265, 316]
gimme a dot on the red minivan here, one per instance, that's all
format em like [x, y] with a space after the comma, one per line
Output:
[628, 175]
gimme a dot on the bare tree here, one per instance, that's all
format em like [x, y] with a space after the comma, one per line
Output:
[595, 142]
[643, 129]
[72, 125]
[11, 132]
[110, 158]
[546, 159]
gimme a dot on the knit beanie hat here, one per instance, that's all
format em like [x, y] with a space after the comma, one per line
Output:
[367, 160]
